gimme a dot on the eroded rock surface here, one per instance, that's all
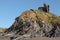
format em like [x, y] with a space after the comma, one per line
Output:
[35, 23]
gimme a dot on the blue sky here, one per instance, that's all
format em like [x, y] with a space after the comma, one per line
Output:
[10, 9]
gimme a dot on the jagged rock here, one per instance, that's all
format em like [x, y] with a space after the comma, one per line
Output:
[36, 23]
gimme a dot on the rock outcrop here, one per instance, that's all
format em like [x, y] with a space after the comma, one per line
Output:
[36, 23]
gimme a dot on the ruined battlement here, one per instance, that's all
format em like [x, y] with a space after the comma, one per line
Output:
[45, 8]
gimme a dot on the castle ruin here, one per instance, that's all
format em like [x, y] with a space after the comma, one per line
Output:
[44, 8]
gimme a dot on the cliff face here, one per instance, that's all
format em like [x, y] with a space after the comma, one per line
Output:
[36, 23]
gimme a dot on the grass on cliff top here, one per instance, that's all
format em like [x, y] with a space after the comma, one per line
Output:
[2, 29]
[47, 16]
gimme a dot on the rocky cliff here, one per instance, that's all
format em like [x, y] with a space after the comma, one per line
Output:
[36, 23]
